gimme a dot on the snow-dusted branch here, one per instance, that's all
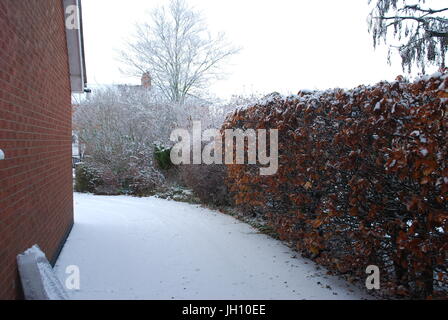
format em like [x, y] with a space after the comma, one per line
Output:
[422, 33]
[178, 52]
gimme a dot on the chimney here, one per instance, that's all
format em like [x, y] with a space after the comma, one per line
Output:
[146, 80]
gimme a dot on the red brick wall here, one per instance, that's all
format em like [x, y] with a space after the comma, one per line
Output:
[36, 201]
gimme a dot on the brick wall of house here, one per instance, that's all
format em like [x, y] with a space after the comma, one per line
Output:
[36, 201]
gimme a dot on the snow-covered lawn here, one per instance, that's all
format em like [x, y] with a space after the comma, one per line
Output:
[149, 248]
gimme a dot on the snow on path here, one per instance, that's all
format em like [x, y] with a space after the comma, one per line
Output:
[149, 248]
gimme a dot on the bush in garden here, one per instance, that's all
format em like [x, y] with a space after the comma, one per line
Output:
[207, 183]
[162, 156]
[134, 179]
[362, 180]
[144, 181]
[117, 128]
[86, 179]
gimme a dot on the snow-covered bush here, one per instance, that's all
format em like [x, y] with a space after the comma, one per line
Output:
[118, 128]
[86, 179]
[207, 183]
[362, 180]
[163, 157]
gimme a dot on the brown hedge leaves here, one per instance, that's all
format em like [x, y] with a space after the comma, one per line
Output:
[362, 180]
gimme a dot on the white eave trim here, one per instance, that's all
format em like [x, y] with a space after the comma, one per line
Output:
[75, 46]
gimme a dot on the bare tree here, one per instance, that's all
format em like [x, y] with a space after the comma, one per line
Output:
[177, 50]
[422, 31]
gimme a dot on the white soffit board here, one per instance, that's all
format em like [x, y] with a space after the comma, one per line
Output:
[73, 27]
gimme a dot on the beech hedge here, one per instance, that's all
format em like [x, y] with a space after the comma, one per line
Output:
[362, 180]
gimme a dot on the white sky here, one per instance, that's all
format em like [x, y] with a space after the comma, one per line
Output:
[288, 45]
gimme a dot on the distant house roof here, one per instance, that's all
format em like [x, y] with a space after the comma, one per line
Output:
[75, 45]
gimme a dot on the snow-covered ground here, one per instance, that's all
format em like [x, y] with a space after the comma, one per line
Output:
[149, 248]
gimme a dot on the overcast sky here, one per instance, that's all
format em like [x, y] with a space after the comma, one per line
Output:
[288, 45]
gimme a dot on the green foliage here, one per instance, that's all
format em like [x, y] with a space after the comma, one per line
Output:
[86, 179]
[162, 156]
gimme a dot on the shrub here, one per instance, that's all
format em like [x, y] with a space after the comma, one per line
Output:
[163, 158]
[207, 183]
[362, 180]
[144, 182]
[86, 179]
[134, 179]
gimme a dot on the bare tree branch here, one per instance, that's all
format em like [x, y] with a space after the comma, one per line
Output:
[421, 32]
[177, 51]
[416, 7]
